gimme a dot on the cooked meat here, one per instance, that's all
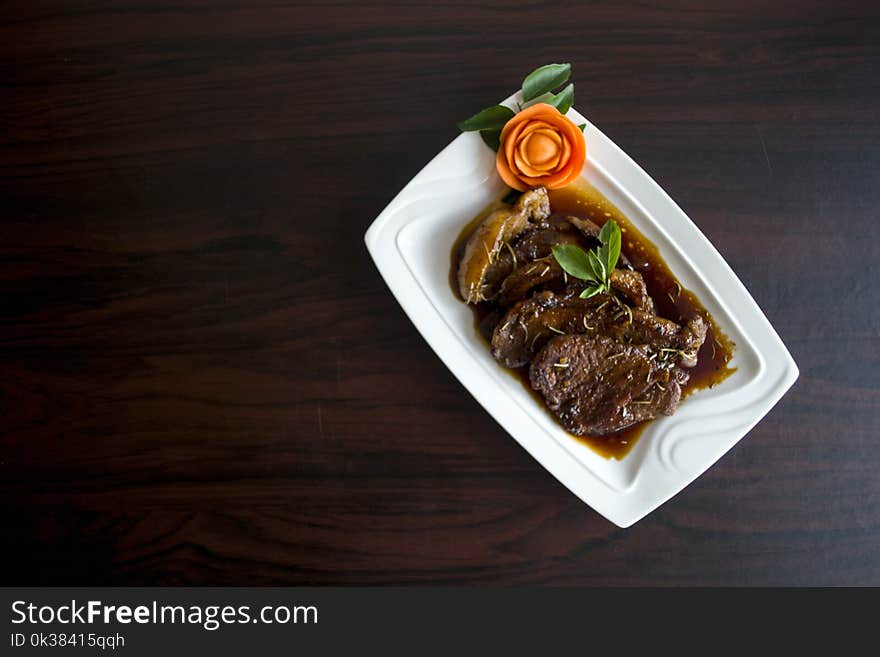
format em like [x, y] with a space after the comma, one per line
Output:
[559, 221]
[487, 324]
[533, 251]
[499, 269]
[692, 338]
[525, 278]
[631, 285]
[539, 242]
[482, 250]
[678, 342]
[527, 326]
[535, 204]
[585, 226]
[596, 385]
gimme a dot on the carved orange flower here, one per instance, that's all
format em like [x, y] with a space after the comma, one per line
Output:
[540, 146]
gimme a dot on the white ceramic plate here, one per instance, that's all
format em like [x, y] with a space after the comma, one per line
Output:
[410, 242]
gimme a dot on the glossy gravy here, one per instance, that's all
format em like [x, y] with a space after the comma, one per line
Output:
[671, 300]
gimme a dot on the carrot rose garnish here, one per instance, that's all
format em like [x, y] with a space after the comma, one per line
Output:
[539, 146]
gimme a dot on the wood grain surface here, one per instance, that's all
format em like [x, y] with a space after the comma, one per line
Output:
[204, 380]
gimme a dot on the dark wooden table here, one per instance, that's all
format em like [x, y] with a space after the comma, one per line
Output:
[204, 380]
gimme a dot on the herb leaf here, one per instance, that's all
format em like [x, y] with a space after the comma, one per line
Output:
[491, 118]
[574, 261]
[611, 241]
[564, 99]
[544, 79]
[582, 126]
[590, 291]
[605, 232]
[594, 266]
[597, 266]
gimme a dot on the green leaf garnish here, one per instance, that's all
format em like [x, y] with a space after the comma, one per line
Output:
[543, 98]
[574, 260]
[564, 99]
[492, 138]
[606, 231]
[611, 241]
[491, 118]
[544, 79]
[590, 291]
[597, 266]
[582, 126]
[594, 266]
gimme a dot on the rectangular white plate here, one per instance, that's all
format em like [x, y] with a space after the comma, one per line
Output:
[410, 242]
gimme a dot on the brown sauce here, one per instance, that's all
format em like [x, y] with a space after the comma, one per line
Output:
[671, 300]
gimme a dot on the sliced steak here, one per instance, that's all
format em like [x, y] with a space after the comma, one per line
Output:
[528, 325]
[596, 385]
